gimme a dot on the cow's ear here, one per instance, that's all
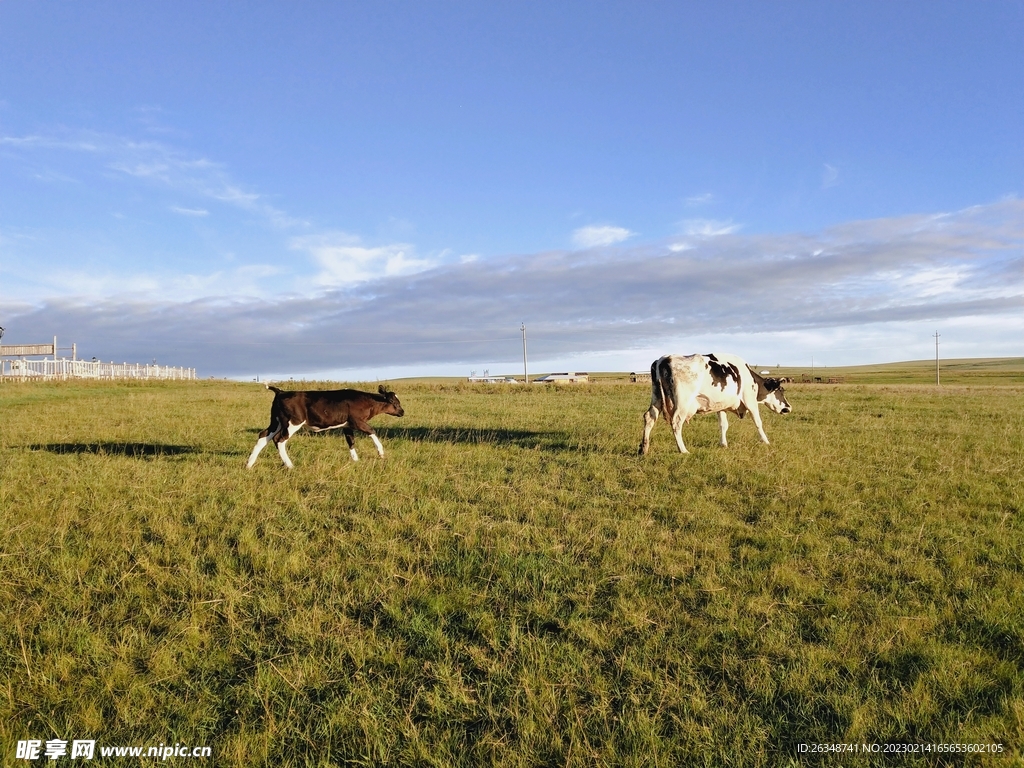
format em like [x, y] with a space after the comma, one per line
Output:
[771, 384]
[382, 389]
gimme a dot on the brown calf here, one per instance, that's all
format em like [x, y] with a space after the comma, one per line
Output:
[348, 409]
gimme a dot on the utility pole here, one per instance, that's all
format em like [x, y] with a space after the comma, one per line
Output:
[936, 358]
[526, 375]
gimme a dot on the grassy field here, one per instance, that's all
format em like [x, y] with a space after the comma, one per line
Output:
[511, 585]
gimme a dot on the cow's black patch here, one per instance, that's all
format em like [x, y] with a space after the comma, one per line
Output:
[766, 386]
[661, 372]
[721, 372]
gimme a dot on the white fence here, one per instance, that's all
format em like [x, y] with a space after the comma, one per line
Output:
[33, 370]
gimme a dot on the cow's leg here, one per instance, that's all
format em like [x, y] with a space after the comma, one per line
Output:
[265, 436]
[755, 414]
[351, 438]
[679, 418]
[677, 430]
[723, 424]
[282, 439]
[649, 420]
[366, 429]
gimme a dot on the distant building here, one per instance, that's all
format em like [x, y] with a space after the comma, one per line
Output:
[636, 378]
[576, 377]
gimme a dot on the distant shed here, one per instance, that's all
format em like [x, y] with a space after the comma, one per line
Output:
[638, 378]
[573, 377]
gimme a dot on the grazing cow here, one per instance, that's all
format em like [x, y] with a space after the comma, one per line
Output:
[684, 386]
[348, 409]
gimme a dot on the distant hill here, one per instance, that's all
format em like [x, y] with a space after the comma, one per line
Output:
[968, 370]
[973, 370]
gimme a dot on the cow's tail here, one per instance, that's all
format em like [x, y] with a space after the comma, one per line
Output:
[273, 389]
[658, 376]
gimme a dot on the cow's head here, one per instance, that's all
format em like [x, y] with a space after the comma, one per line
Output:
[391, 404]
[775, 397]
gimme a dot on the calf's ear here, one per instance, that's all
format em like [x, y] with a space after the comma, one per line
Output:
[382, 389]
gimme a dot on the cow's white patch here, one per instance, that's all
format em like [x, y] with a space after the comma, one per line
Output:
[353, 454]
[380, 448]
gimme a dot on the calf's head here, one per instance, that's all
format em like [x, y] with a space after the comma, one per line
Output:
[776, 398]
[391, 404]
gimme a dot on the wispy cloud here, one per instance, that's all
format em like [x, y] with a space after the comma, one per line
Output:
[829, 176]
[709, 227]
[158, 163]
[200, 212]
[158, 287]
[966, 264]
[599, 235]
[702, 199]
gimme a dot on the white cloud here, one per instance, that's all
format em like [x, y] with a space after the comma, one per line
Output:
[702, 199]
[709, 227]
[190, 211]
[595, 236]
[829, 176]
[344, 261]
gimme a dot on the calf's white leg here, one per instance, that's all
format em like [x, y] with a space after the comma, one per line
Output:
[723, 424]
[380, 448]
[284, 454]
[292, 429]
[260, 445]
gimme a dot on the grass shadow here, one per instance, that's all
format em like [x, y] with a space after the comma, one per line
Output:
[135, 450]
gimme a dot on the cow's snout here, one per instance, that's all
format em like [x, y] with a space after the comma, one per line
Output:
[786, 410]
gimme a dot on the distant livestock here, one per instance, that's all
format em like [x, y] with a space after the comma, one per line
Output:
[347, 409]
[684, 386]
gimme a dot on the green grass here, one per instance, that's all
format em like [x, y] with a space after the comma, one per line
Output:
[512, 585]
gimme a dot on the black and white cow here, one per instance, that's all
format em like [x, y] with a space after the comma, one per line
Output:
[348, 409]
[684, 386]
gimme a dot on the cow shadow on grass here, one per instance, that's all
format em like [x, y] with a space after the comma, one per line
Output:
[521, 438]
[109, 448]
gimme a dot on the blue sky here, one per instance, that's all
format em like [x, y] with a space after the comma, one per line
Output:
[376, 190]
